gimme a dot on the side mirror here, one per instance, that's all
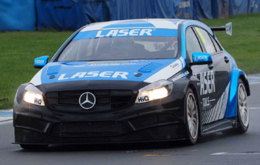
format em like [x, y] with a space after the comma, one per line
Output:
[201, 58]
[40, 61]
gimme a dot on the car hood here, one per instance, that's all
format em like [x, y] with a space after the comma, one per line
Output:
[133, 70]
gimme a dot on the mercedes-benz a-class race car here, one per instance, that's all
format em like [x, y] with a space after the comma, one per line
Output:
[133, 81]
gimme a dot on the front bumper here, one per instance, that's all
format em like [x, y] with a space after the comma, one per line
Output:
[161, 120]
[36, 128]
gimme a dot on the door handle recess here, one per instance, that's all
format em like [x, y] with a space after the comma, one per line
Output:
[226, 59]
[211, 66]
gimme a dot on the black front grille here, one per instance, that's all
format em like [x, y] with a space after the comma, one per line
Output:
[105, 100]
[88, 129]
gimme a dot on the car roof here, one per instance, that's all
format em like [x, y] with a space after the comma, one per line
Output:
[160, 23]
[135, 23]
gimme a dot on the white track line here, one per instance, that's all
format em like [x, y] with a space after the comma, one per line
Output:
[235, 153]
[254, 83]
[253, 77]
[4, 117]
[6, 122]
[254, 108]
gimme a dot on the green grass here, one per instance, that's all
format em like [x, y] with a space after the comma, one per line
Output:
[17, 52]
[18, 49]
[244, 44]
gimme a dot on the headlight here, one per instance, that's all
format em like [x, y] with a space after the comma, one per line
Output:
[33, 95]
[155, 91]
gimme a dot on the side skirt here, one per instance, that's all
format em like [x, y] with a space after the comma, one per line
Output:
[218, 126]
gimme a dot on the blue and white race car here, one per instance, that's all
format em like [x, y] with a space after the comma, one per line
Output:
[133, 81]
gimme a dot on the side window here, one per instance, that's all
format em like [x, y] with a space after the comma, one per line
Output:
[218, 48]
[206, 40]
[192, 43]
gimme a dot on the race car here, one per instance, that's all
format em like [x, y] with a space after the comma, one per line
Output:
[129, 81]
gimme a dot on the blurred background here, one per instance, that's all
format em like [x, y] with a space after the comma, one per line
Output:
[72, 14]
[33, 28]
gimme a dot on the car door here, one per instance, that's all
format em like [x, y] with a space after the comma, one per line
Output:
[193, 45]
[215, 82]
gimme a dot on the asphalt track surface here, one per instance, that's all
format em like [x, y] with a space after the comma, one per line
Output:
[215, 149]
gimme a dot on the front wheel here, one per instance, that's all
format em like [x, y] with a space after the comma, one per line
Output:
[242, 109]
[191, 117]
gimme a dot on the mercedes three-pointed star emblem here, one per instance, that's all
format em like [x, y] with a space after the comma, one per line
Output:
[87, 100]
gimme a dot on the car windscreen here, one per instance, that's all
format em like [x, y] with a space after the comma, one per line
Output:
[120, 48]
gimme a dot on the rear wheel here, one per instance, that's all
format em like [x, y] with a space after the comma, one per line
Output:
[242, 109]
[191, 117]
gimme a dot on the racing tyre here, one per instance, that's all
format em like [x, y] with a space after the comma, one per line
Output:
[33, 147]
[191, 117]
[242, 109]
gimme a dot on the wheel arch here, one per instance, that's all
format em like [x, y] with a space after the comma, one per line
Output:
[196, 93]
[236, 74]
[183, 85]
[246, 83]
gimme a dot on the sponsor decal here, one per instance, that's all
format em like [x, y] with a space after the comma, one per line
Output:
[40, 61]
[201, 58]
[175, 65]
[206, 101]
[109, 62]
[135, 32]
[143, 99]
[218, 111]
[124, 33]
[178, 76]
[105, 70]
[201, 36]
[166, 72]
[113, 63]
[207, 82]
[105, 74]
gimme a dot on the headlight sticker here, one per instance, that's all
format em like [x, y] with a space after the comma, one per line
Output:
[142, 99]
[155, 91]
